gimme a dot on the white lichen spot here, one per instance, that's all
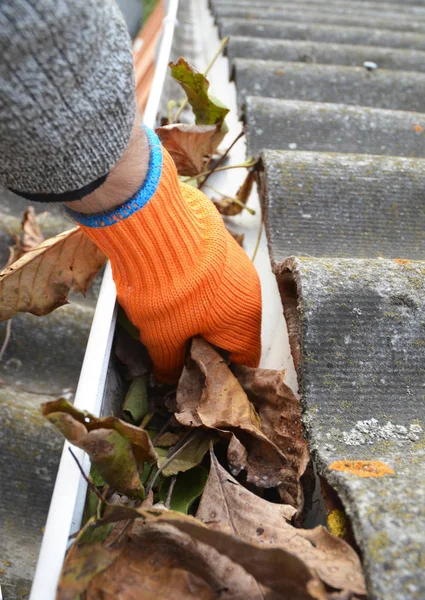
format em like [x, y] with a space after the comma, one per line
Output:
[371, 431]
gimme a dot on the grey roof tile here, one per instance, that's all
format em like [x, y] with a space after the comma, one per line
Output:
[317, 16]
[403, 90]
[361, 328]
[325, 53]
[343, 205]
[321, 33]
[327, 127]
[356, 321]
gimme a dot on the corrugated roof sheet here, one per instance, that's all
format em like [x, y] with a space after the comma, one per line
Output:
[343, 195]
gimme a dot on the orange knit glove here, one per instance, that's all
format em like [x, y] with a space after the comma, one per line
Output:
[177, 271]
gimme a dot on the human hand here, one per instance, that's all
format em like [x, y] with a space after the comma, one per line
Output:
[178, 272]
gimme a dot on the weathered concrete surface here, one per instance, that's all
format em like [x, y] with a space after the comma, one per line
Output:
[381, 88]
[361, 326]
[316, 15]
[325, 53]
[326, 127]
[30, 451]
[42, 361]
[343, 205]
[321, 33]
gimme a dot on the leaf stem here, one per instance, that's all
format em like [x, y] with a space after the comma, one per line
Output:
[249, 163]
[216, 55]
[145, 420]
[257, 244]
[207, 70]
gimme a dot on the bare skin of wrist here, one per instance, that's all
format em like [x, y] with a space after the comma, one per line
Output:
[124, 179]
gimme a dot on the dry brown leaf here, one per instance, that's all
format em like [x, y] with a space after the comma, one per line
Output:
[266, 564]
[32, 236]
[228, 207]
[190, 144]
[41, 280]
[228, 507]
[280, 415]
[209, 395]
[158, 561]
[170, 555]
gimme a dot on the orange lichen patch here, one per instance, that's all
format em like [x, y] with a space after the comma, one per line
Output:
[401, 261]
[418, 129]
[279, 72]
[362, 468]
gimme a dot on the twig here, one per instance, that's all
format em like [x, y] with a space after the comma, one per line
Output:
[216, 55]
[248, 163]
[179, 448]
[6, 338]
[170, 491]
[207, 70]
[257, 243]
[221, 159]
[87, 480]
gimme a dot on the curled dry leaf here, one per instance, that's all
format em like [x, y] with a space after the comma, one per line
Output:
[117, 449]
[209, 395]
[170, 555]
[190, 144]
[41, 279]
[228, 507]
[280, 415]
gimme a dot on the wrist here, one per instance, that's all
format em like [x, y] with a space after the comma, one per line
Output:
[123, 181]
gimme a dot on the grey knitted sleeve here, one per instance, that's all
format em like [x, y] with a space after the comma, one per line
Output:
[67, 99]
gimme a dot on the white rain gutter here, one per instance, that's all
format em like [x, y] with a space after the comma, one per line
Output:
[67, 504]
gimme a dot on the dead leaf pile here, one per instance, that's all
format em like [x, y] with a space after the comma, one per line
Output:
[204, 456]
